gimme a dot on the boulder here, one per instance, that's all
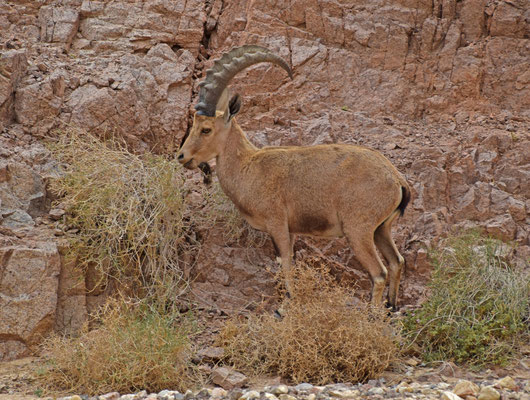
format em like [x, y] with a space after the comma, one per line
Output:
[28, 294]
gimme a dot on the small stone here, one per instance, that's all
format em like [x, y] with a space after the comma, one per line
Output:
[376, 390]
[211, 354]
[204, 393]
[110, 396]
[270, 396]
[166, 395]
[218, 393]
[450, 396]
[205, 369]
[44, 68]
[303, 387]
[466, 388]
[227, 378]
[56, 213]
[506, 383]
[428, 391]
[343, 393]
[287, 397]
[404, 387]
[152, 396]
[235, 394]
[280, 389]
[250, 395]
[311, 396]
[488, 393]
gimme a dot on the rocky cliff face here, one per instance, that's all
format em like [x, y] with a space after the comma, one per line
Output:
[441, 87]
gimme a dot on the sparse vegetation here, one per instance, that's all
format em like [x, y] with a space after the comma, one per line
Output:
[478, 310]
[129, 210]
[137, 346]
[134, 224]
[135, 228]
[322, 337]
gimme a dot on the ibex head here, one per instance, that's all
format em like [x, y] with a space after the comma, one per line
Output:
[213, 118]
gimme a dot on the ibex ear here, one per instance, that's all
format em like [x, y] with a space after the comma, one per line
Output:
[234, 106]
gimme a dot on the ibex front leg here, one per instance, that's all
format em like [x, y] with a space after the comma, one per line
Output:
[284, 244]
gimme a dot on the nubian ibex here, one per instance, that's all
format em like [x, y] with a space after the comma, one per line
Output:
[327, 190]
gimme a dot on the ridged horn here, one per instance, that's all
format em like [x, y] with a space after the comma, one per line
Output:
[225, 68]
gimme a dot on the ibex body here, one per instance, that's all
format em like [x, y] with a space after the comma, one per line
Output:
[327, 190]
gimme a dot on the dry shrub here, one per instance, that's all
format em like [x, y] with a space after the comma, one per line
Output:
[321, 338]
[134, 224]
[479, 308]
[129, 210]
[136, 347]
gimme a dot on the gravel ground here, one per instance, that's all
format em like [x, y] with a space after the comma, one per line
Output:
[506, 388]
[409, 381]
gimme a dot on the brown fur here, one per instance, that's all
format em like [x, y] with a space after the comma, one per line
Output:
[325, 190]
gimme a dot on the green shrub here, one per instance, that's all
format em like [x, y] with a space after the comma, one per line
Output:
[321, 338]
[135, 347]
[478, 309]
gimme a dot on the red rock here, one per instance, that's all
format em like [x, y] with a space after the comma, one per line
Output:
[227, 378]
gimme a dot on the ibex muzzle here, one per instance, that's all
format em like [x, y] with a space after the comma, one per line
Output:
[327, 190]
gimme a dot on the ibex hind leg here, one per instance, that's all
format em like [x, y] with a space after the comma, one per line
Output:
[387, 247]
[362, 242]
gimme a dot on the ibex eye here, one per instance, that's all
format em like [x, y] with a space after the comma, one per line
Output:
[206, 131]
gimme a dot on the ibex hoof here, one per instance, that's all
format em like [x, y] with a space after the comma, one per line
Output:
[391, 308]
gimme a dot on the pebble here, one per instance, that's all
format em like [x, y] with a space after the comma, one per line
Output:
[252, 394]
[373, 390]
[488, 393]
[218, 393]
[280, 389]
[343, 393]
[376, 390]
[506, 383]
[110, 396]
[450, 396]
[303, 387]
[466, 388]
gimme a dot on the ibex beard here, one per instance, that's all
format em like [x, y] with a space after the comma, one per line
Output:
[327, 190]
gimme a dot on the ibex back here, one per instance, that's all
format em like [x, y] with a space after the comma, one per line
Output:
[327, 190]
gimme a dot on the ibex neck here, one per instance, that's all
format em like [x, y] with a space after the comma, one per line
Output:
[232, 160]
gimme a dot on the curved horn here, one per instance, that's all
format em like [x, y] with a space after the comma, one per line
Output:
[225, 68]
